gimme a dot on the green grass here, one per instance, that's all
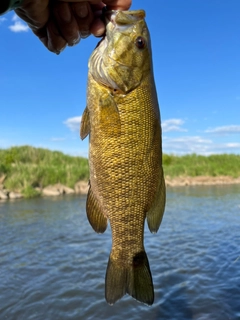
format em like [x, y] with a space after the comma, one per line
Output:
[27, 167]
[195, 165]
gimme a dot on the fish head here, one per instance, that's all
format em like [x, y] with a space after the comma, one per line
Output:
[123, 56]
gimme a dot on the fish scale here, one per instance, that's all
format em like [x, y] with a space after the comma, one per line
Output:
[125, 154]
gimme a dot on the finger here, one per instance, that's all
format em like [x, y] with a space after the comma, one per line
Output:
[91, 1]
[97, 28]
[84, 17]
[41, 34]
[37, 15]
[66, 23]
[97, 8]
[55, 42]
[50, 37]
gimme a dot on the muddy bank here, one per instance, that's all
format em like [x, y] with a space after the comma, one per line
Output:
[200, 180]
[81, 187]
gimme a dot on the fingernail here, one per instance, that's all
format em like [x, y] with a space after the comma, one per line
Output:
[85, 34]
[82, 10]
[59, 51]
[97, 28]
[99, 32]
[75, 41]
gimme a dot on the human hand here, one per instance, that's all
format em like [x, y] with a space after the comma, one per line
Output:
[64, 22]
[98, 28]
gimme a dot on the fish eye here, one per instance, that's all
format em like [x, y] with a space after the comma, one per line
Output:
[140, 42]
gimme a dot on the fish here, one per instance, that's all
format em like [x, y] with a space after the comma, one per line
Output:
[122, 119]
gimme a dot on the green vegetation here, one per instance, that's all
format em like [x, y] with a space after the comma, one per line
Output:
[26, 168]
[195, 165]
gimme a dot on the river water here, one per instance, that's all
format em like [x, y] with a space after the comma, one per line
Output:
[52, 264]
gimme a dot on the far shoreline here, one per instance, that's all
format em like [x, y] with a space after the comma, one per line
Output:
[81, 187]
[200, 181]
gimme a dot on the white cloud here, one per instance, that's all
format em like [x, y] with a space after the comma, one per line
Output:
[168, 125]
[18, 25]
[231, 129]
[232, 145]
[229, 147]
[172, 125]
[183, 145]
[198, 145]
[58, 139]
[15, 17]
[73, 123]
[2, 19]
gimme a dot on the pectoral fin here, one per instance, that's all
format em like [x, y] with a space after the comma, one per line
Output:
[155, 214]
[109, 115]
[85, 124]
[95, 215]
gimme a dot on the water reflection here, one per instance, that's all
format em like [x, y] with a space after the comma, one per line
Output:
[53, 264]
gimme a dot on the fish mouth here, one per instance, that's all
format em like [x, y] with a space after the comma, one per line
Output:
[115, 21]
[118, 19]
[122, 18]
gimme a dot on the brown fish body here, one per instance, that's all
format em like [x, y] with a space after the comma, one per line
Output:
[125, 159]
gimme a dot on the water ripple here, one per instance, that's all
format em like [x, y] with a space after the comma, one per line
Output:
[53, 264]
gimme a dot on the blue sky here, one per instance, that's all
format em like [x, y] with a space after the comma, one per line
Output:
[196, 55]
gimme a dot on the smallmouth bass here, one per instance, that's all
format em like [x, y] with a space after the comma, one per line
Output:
[122, 119]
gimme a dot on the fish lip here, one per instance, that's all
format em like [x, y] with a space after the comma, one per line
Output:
[119, 17]
[107, 14]
[110, 16]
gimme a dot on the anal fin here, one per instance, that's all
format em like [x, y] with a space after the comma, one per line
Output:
[95, 215]
[155, 214]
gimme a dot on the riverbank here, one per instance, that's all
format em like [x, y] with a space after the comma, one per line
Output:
[81, 187]
[200, 181]
[30, 172]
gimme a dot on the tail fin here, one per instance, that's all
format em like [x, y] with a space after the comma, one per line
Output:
[135, 279]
